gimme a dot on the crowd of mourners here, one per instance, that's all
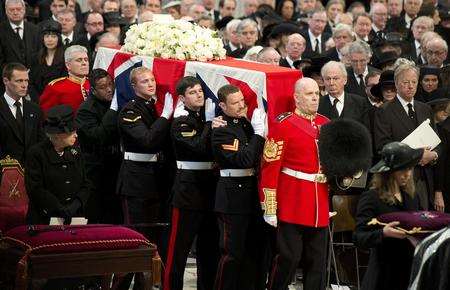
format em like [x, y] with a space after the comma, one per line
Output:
[182, 175]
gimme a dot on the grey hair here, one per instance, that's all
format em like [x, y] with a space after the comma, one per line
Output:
[68, 53]
[402, 68]
[374, 6]
[7, 2]
[244, 23]
[233, 24]
[360, 46]
[425, 20]
[333, 64]
[341, 28]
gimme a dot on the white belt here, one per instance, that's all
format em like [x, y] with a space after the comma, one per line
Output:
[194, 165]
[237, 172]
[140, 157]
[315, 177]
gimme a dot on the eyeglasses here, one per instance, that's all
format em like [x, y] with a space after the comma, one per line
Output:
[95, 23]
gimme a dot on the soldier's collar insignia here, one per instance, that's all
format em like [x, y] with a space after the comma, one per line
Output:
[74, 151]
[76, 79]
[305, 115]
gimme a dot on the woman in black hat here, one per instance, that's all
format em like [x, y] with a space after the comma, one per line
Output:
[384, 90]
[55, 178]
[48, 64]
[429, 84]
[392, 190]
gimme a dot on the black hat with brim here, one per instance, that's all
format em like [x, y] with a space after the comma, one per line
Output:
[51, 26]
[59, 120]
[386, 80]
[438, 102]
[397, 156]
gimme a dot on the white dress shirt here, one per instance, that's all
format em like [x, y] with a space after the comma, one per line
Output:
[70, 37]
[21, 26]
[10, 101]
[340, 103]
[313, 38]
[405, 104]
[365, 73]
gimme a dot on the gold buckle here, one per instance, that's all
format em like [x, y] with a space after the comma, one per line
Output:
[320, 178]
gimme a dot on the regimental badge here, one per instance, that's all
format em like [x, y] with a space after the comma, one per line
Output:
[232, 147]
[73, 151]
[189, 134]
[273, 150]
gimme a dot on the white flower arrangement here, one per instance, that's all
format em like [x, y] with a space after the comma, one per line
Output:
[178, 39]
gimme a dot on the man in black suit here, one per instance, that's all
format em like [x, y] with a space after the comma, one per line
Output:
[397, 119]
[20, 120]
[412, 48]
[19, 39]
[68, 21]
[403, 23]
[436, 52]
[209, 6]
[94, 23]
[295, 47]
[360, 54]
[314, 35]
[337, 103]
[342, 35]
[379, 15]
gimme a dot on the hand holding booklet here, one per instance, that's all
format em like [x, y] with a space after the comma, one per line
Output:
[423, 137]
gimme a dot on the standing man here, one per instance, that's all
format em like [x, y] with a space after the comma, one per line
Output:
[315, 36]
[237, 148]
[342, 35]
[143, 135]
[71, 90]
[295, 47]
[360, 54]
[20, 120]
[338, 103]
[98, 137]
[193, 190]
[398, 118]
[294, 192]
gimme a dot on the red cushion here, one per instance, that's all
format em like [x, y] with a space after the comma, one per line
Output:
[427, 220]
[67, 239]
[13, 198]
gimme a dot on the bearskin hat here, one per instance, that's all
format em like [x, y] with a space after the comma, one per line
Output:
[345, 148]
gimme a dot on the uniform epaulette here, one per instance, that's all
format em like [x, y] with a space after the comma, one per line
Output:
[283, 116]
[56, 80]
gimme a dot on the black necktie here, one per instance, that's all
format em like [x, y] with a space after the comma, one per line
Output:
[411, 113]
[334, 109]
[19, 116]
[362, 85]
[317, 48]
[66, 42]
[18, 31]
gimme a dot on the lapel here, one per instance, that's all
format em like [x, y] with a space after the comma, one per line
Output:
[16, 42]
[348, 104]
[401, 115]
[8, 116]
[325, 106]
[420, 114]
[29, 119]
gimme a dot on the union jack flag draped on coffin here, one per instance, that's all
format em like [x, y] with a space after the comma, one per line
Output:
[264, 86]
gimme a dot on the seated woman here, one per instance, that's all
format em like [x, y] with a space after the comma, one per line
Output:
[55, 178]
[392, 190]
[429, 87]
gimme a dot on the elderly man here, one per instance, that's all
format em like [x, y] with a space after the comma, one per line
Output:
[68, 22]
[293, 193]
[20, 40]
[71, 90]
[268, 55]
[342, 35]
[338, 103]
[247, 32]
[379, 15]
[231, 36]
[362, 24]
[413, 48]
[436, 52]
[295, 47]
[129, 11]
[360, 54]
[403, 23]
[398, 118]
[315, 36]
[395, 8]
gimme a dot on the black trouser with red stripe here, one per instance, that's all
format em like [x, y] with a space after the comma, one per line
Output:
[186, 225]
[295, 243]
[242, 245]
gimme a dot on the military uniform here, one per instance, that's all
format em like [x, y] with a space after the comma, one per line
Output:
[193, 203]
[53, 181]
[70, 91]
[237, 150]
[142, 181]
[98, 136]
[293, 188]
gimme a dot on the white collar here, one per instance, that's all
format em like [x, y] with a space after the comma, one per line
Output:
[365, 73]
[232, 46]
[405, 103]
[408, 19]
[340, 98]
[313, 38]
[375, 28]
[13, 26]
[291, 61]
[417, 44]
[10, 101]
[70, 36]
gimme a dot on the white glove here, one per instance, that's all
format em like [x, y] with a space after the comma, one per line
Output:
[179, 110]
[168, 106]
[114, 106]
[271, 220]
[210, 110]
[259, 122]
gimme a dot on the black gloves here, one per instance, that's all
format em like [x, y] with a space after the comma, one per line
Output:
[71, 209]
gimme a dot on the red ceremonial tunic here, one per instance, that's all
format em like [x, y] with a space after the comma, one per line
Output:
[64, 91]
[292, 143]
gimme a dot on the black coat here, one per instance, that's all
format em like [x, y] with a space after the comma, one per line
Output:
[237, 195]
[390, 259]
[442, 173]
[14, 49]
[42, 74]
[393, 124]
[142, 131]
[332, 54]
[11, 142]
[352, 85]
[284, 63]
[355, 108]
[191, 138]
[309, 49]
[54, 181]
